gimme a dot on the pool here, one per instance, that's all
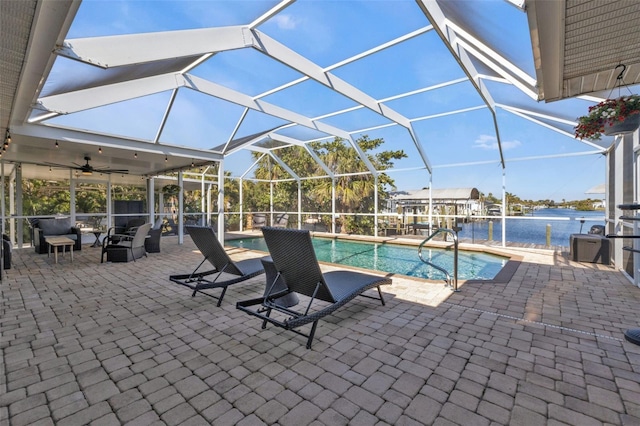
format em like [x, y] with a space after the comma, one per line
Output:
[395, 258]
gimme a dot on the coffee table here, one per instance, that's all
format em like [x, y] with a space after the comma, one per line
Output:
[56, 242]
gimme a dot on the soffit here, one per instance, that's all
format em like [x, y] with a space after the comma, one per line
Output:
[15, 21]
[579, 43]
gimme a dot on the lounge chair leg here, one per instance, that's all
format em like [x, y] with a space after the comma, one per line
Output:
[264, 323]
[224, 290]
[311, 334]
[380, 293]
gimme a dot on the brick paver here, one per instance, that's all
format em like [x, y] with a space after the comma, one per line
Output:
[99, 344]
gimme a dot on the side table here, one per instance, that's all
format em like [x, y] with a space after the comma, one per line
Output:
[96, 232]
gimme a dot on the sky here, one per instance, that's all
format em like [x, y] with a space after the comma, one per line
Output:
[542, 162]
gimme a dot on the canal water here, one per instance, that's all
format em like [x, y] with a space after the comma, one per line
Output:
[532, 228]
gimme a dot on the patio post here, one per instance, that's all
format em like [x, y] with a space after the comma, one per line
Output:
[203, 200]
[12, 205]
[430, 204]
[221, 202]
[151, 199]
[18, 212]
[109, 201]
[299, 204]
[333, 205]
[72, 198]
[209, 186]
[504, 207]
[375, 206]
[271, 201]
[181, 208]
[241, 205]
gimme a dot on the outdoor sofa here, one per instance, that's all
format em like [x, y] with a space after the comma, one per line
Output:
[58, 227]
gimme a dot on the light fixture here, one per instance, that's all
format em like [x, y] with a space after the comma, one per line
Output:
[87, 172]
[135, 155]
[165, 159]
[99, 150]
[7, 136]
[57, 146]
[192, 164]
[49, 169]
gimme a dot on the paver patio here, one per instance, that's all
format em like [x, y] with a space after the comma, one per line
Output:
[85, 343]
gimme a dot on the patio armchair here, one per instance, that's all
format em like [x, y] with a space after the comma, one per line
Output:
[125, 247]
[225, 271]
[282, 220]
[295, 260]
[152, 243]
[115, 232]
[258, 220]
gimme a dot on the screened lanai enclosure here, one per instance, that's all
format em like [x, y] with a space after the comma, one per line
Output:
[213, 112]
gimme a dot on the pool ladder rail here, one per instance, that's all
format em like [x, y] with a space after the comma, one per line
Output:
[449, 282]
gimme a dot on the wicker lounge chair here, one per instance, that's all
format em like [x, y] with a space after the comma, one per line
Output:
[295, 259]
[207, 242]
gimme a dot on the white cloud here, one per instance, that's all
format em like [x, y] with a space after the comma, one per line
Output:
[285, 22]
[489, 142]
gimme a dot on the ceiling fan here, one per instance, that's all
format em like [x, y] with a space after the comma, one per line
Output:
[87, 169]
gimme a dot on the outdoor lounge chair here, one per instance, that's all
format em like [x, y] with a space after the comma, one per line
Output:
[295, 260]
[207, 242]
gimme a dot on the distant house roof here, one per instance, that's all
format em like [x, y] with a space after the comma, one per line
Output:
[445, 194]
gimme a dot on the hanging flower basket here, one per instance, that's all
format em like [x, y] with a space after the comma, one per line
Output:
[628, 125]
[610, 117]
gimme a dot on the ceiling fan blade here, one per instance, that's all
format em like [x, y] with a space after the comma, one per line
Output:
[59, 166]
[109, 171]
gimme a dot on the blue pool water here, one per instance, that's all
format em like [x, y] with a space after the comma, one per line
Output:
[395, 258]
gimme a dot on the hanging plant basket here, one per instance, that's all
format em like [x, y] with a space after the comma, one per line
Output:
[628, 125]
[610, 117]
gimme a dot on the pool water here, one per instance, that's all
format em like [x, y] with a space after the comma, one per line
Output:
[395, 258]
